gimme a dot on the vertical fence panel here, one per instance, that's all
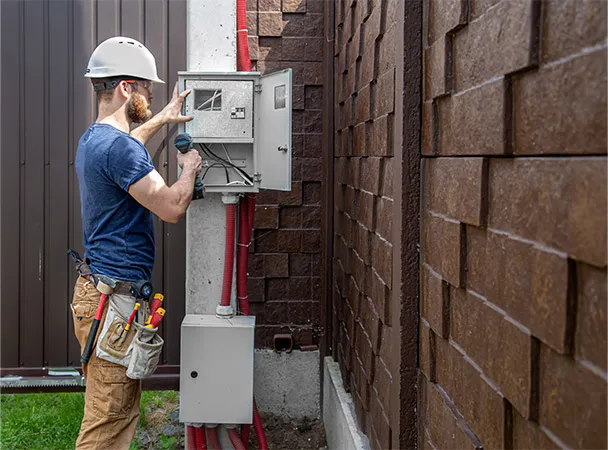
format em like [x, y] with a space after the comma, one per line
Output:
[57, 267]
[32, 279]
[9, 190]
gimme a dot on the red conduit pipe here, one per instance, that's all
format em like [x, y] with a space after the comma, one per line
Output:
[191, 436]
[259, 428]
[201, 439]
[243, 256]
[243, 63]
[214, 442]
[235, 439]
[229, 254]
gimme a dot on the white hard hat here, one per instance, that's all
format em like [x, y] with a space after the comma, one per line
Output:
[122, 56]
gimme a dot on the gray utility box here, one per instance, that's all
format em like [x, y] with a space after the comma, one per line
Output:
[241, 119]
[216, 371]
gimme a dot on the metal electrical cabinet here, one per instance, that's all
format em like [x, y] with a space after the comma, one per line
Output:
[242, 127]
[216, 370]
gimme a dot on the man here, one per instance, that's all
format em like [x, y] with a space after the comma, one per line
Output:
[119, 191]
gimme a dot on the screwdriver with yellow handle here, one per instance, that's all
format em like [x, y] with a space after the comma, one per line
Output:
[156, 318]
[156, 303]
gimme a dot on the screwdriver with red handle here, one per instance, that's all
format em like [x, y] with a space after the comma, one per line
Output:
[105, 285]
[156, 318]
[156, 303]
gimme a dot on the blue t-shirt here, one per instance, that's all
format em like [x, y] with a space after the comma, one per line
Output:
[118, 231]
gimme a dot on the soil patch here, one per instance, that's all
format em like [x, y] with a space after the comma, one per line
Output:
[161, 430]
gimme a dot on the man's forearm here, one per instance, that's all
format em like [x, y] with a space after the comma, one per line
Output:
[184, 187]
[145, 131]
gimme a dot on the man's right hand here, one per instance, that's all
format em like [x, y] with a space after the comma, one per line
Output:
[191, 159]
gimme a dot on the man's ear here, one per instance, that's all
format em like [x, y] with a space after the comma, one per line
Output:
[123, 89]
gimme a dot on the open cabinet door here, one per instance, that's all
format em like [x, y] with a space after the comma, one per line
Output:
[272, 132]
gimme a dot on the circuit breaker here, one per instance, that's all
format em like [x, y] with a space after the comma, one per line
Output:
[241, 127]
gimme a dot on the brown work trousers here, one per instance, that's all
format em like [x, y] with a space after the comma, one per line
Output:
[111, 400]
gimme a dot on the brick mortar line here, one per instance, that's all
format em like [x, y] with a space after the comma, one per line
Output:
[584, 52]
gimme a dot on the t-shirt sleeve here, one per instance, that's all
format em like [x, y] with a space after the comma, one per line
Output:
[128, 162]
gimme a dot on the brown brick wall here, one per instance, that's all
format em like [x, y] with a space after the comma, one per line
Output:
[512, 339]
[364, 87]
[285, 262]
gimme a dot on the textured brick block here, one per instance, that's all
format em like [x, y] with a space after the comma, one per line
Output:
[380, 295]
[303, 25]
[435, 70]
[446, 429]
[311, 194]
[434, 301]
[300, 264]
[269, 5]
[252, 23]
[361, 384]
[387, 178]
[455, 187]
[291, 198]
[445, 16]
[591, 316]
[311, 241]
[372, 25]
[297, 93]
[256, 289]
[527, 434]
[383, 381]
[365, 209]
[359, 138]
[276, 265]
[311, 217]
[270, 48]
[384, 217]
[441, 247]
[290, 217]
[266, 217]
[313, 143]
[380, 424]
[288, 240]
[366, 68]
[370, 175]
[380, 141]
[572, 401]
[426, 146]
[370, 320]
[253, 43]
[270, 24]
[471, 123]
[479, 7]
[382, 259]
[527, 282]
[384, 94]
[363, 239]
[294, 6]
[362, 105]
[386, 53]
[570, 26]
[302, 49]
[562, 109]
[314, 97]
[500, 42]
[501, 348]
[424, 349]
[363, 349]
[481, 406]
[572, 198]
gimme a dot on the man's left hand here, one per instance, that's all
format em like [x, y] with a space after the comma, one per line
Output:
[172, 113]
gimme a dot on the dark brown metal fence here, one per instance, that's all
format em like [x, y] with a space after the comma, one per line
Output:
[46, 104]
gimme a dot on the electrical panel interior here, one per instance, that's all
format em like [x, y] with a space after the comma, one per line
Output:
[242, 128]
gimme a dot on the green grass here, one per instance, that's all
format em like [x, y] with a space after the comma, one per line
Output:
[52, 421]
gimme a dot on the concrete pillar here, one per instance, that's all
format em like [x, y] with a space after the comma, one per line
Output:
[211, 47]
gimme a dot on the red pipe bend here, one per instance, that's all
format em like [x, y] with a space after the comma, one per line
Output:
[235, 439]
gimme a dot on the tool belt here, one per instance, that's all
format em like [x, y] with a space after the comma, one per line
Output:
[138, 348]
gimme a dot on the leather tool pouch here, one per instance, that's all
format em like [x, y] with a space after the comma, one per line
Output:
[138, 349]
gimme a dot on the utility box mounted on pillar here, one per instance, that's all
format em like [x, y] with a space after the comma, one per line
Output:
[242, 127]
